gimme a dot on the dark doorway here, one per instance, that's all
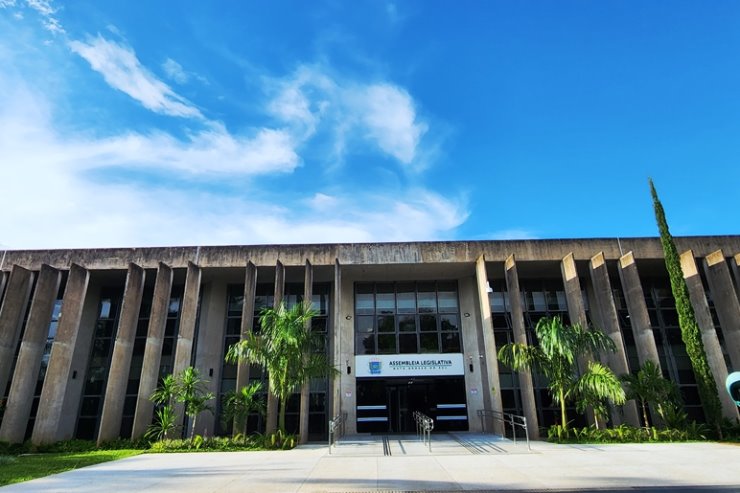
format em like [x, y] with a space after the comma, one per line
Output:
[405, 398]
[388, 405]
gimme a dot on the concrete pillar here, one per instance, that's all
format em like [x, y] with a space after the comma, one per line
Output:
[736, 270]
[210, 348]
[306, 387]
[51, 403]
[344, 349]
[115, 391]
[639, 317]
[610, 324]
[486, 325]
[576, 311]
[27, 367]
[573, 295]
[11, 319]
[473, 353]
[336, 341]
[250, 289]
[725, 302]
[520, 336]
[3, 280]
[272, 401]
[152, 351]
[713, 350]
[186, 330]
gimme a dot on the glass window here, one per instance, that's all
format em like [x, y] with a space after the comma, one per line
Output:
[406, 298]
[387, 323]
[387, 344]
[364, 324]
[450, 342]
[385, 299]
[447, 297]
[365, 344]
[428, 342]
[407, 343]
[364, 303]
[426, 297]
[428, 323]
[450, 322]
[407, 323]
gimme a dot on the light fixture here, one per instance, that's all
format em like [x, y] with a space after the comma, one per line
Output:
[470, 365]
[349, 368]
[348, 317]
[466, 315]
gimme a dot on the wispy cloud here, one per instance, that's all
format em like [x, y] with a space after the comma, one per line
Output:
[380, 114]
[122, 70]
[174, 71]
[44, 8]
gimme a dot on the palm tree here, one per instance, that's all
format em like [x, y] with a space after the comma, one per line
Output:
[649, 386]
[287, 349]
[191, 393]
[556, 357]
[593, 390]
[238, 405]
[164, 417]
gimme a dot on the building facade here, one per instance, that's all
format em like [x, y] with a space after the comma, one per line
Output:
[85, 335]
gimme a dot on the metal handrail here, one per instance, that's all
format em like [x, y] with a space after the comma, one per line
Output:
[507, 418]
[424, 427]
[336, 428]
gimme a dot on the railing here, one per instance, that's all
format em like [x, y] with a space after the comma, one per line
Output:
[506, 418]
[424, 427]
[336, 428]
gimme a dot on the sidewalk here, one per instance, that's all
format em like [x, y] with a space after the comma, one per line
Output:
[494, 466]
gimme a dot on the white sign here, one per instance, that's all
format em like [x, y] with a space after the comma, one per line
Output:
[409, 365]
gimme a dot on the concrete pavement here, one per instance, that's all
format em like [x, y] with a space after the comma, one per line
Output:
[467, 462]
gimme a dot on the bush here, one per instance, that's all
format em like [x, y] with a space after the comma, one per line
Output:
[199, 443]
[627, 434]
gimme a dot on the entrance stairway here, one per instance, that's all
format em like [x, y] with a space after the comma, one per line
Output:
[452, 443]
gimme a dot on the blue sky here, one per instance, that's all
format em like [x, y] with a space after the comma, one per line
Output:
[202, 123]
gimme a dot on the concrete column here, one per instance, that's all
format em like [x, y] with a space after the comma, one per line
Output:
[345, 349]
[486, 325]
[3, 280]
[152, 351]
[610, 324]
[272, 401]
[736, 271]
[473, 353]
[210, 348]
[186, 331]
[639, 318]
[573, 295]
[336, 342]
[713, 350]
[576, 311]
[725, 302]
[520, 336]
[11, 319]
[306, 387]
[250, 289]
[115, 391]
[27, 367]
[51, 404]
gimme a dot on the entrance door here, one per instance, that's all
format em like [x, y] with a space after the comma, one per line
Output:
[405, 398]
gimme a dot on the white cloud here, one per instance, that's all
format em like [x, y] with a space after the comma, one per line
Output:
[122, 70]
[379, 114]
[175, 71]
[390, 119]
[55, 206]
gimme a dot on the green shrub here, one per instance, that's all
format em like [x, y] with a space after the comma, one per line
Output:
[627, 434]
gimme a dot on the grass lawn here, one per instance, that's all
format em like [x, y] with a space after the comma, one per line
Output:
[17, 468]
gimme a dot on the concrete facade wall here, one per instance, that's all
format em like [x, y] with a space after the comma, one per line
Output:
[471, 264]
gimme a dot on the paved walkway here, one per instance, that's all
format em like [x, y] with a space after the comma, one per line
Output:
[457, 462]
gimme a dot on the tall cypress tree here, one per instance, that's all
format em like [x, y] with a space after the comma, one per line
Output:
[687, 320]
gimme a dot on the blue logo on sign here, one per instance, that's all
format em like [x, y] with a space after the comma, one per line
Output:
[375, 367]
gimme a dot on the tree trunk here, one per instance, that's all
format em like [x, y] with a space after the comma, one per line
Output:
[562, 409]
[644, 413]
[281, 416]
